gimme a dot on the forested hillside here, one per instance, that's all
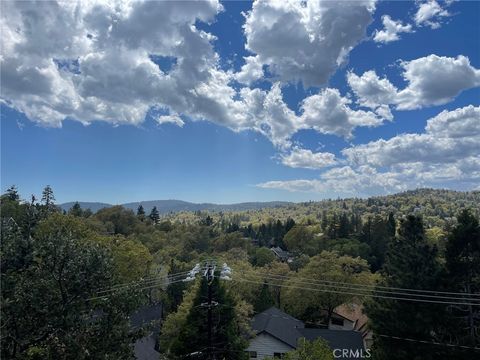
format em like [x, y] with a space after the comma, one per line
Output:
[71, 280]
[437, 207]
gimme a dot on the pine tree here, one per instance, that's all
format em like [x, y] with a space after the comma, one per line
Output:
[410, 263]
[463, 274]
[264, 299]
[12, 193]
[391, 224]
[154, 215]
[140, 213]
[48, 200]
[193, 336]
[343, 227]
[324, 220]
[76, 210]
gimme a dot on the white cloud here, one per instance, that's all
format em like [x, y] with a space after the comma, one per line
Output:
[330, 113]
[430, 13]
[304, 158]
[110, 76]
[431, 80]
[436, 80]
[450, 138]
[96, 61]
[251, 71]
[391, 29]
[370, 90]
[346, 181]
[306, 40]
[172, 118]
[447, 154]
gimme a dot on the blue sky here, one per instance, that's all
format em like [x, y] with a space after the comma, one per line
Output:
[339, 99]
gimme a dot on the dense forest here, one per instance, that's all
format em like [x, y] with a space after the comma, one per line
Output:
[71, 280]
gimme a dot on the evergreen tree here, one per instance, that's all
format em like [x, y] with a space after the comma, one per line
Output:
[411, 263]
[391, 225]
[141, 212]
[324, 220]
[463, 275]
[154, 215]
[264, 299]
[193, 335]
[12, 193]
[344, 226]
[175, 291]
[76, 210]
[48, 198]
[290, 223]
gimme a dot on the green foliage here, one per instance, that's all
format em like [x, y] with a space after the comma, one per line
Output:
[193, 333]
[463, 275]
[264, 299]
[410, 263]
[300, 239]
[46, 284]
[117, 220]
[318, 306]
[76, 210]
[263, 256]
[154, 215]
[310, 350]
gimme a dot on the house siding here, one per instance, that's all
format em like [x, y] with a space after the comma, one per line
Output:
[265, 345]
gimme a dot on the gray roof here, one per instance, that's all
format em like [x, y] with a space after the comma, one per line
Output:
[278, 324]
[336, 339]
[280, 252]
[146, 315]
[289, 330]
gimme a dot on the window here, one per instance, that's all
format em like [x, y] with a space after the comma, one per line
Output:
[337, 321]
[278, 355]
[252, 354]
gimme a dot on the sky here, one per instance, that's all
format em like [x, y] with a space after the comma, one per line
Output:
[225, 102]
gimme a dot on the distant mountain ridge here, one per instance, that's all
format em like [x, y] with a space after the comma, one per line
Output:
[168, 206]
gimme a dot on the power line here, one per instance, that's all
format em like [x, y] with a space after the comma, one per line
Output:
[142, 288]
[140, 282]
[430, 342]
[381, 287]
[357, 294]
[396, 337]
[153, 277]
[357, 287]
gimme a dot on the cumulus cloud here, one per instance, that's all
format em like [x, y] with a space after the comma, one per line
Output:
[251, 71]
[431, 80]
[391, 29]
[102, 61]
[305, 158]
[430, 13]
[449, 147]
[306, 40]
[446, 153]
[330, 113]
[173, 119]
[109, 74]
[449, 136]
[363, 181]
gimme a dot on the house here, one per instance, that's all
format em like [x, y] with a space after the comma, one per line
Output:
[148, 316]
[354, 312]
[278, 333]
[281, 254]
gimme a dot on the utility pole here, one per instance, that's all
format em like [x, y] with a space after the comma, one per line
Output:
[209, 275]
